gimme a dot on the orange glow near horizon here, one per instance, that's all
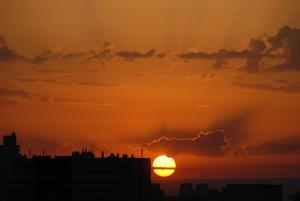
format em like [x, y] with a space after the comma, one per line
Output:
[184, 77]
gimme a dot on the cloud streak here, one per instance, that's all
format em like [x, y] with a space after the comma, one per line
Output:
[217, 144]
[288, 145]
[284, 45]
[5, 92]
[7, 54]
[290, 88]
[229, 140]
[69, 82]
[209, 144]
[13, 96]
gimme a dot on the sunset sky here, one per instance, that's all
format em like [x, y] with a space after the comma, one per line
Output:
[212, 83]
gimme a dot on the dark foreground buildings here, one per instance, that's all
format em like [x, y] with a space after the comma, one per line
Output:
[80, 177]
[231, 192]
[84, 177]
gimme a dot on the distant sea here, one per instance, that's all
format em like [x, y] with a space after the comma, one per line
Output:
[290, 186]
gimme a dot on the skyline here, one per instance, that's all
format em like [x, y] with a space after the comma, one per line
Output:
[213, 84]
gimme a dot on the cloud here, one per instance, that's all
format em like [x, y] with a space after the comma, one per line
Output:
[58, 100]
[45, 56]
[283, 49]
[287, 40]
[200, 76]
[74, 55]
[51, 81]
[233, 125]
[7, 54]
[288, 145]
[94, 83]
[285, 44]
[224, 137]
[5, 92]
[9, 96]
[69, 82]
[132, 55]
[253, 64]
[217, 144]
[209, 144]
[221, 54]
[282, 81]
[291, 88]
[139, 74]
[257, 45]
[253, 57]
[27, 79]
[7, 101]
[220, 64]
[102, 53]
[49, 71]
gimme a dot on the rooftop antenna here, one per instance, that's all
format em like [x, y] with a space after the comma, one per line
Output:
[43, 152]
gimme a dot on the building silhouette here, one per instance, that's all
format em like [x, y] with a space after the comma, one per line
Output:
[84, 177]
[9, 150]
[79, 177]
[295, 197]
[250, 192]
[201, 193]
[231, 192]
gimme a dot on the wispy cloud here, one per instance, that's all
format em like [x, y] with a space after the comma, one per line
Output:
[290, 88]
[5, 92]
[13, 96]
[285, 45]
[7, 54]
[70, 82]
[210, 144]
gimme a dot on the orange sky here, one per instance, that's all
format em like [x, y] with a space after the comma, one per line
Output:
[219, 79]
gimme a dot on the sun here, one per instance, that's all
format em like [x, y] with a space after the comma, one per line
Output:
[164, 166]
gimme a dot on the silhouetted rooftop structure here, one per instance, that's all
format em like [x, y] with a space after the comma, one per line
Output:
[295, 197]
[232, 192]
[85, 177]
[8, 150]
[10, 140]
[201, 193]
[250, 192]
[79, 177]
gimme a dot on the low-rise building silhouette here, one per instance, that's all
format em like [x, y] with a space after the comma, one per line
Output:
[80, 177]
[231, 192]
[186, 191]
[295, 197]
[9, 150]
[201, 193]
[84, 177]
[250, 192]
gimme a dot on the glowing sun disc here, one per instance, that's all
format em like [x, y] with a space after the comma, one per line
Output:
[164, 166]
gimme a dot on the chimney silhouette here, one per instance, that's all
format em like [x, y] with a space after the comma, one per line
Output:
[10, 140]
